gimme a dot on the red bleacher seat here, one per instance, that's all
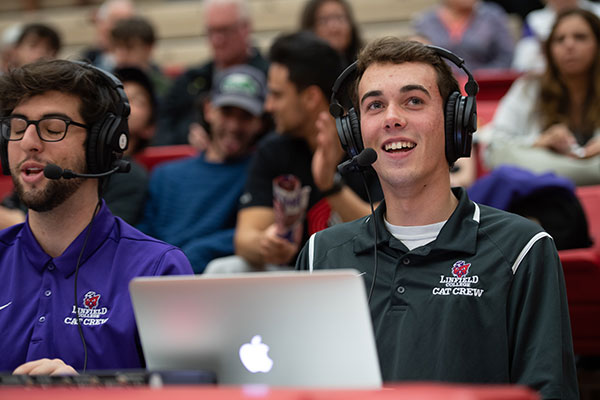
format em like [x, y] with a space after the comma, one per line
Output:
[582, 276]
[154, 155]
[6, 186]
[493, 84]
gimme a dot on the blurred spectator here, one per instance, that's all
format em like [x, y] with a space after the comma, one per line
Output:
[104, 20]
[36, 41]
[536, 28]
[228, 28]
[131, 45]
[301, 75]
[193, 202]
[333, 21]
[519, 7]
[7, 46]
[474, 30]
[550, 122]
[125, 194]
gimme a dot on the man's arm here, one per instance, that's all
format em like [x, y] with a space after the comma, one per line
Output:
[538, 323]
[256, 239]
[328, 154]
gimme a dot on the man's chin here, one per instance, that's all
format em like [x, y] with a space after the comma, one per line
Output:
[47, 198]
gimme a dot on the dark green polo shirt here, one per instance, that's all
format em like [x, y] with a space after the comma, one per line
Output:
[485, 302]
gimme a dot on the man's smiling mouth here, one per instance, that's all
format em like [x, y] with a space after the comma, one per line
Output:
[399, 146]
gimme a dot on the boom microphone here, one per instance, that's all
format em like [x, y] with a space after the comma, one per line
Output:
[53, 171]
[359, 162]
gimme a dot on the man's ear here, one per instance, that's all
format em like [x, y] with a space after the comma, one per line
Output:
[312, 97]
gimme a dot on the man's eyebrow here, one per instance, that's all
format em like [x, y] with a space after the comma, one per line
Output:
[409, 88]
[403, 89]
[47, 115]
[371, 93]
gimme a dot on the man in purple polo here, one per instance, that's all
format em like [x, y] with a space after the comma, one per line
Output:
[64, 299]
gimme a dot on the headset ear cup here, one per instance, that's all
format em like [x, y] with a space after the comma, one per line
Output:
[355, 130]
[4, 154]
[92, 150]
[450, 120]
[348, 128]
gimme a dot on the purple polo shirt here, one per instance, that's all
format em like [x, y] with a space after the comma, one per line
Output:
[37, 312]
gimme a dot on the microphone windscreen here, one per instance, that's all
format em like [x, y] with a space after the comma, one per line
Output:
[366, 157]
[53, 171]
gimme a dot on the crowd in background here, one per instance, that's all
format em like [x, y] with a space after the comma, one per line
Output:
[547, 121]
[261, 124]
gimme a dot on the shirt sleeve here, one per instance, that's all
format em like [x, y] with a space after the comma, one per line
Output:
[259, 185]
[515, 121]
[302, 259]
[541, 345]
[174, 262]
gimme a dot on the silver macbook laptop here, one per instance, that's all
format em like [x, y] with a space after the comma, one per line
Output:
[277, 328]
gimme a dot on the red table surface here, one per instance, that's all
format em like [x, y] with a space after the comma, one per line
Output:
[415, 391]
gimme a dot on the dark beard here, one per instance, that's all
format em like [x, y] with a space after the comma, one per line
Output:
[54, 194]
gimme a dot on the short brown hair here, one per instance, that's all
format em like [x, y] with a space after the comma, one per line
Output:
[129, 29]
[87, 83]
[397, 51]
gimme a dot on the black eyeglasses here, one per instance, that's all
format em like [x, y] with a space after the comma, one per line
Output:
[49, 129]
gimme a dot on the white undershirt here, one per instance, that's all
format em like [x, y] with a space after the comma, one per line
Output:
[415, 236]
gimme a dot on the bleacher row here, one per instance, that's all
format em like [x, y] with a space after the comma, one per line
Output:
[179, 23]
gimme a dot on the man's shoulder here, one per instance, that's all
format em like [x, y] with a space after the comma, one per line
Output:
[9, 235]
[127, 235]
[257, 60]
[205, 69]
[276, 142]
[508, 230]
[343, 233]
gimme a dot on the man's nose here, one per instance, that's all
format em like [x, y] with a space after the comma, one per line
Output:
[394, 118]
[31, 139]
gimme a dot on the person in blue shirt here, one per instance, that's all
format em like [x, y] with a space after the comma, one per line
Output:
[193, 203]
[64, 299]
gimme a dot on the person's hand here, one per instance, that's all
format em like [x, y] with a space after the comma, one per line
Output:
[328, 153]
[198, 137]
[558, 138]
[277, 250]
[592, 148]
[45, 366]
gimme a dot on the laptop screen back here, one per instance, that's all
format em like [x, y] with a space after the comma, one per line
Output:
[276, 328]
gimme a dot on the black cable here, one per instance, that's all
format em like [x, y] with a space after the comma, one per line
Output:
[87, 235]
[364, 179]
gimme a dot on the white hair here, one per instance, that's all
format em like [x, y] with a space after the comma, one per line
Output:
[108, 6]
[242, 6]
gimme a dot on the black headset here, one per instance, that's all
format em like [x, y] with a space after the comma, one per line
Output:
[460, 116]
[107, 139]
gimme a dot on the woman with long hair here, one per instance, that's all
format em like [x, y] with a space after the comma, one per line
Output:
[333, 21]
[551, 121]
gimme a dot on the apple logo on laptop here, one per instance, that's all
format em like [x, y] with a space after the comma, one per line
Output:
[254, 356]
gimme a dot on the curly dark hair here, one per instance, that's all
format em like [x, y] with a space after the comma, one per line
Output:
[89, 84]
